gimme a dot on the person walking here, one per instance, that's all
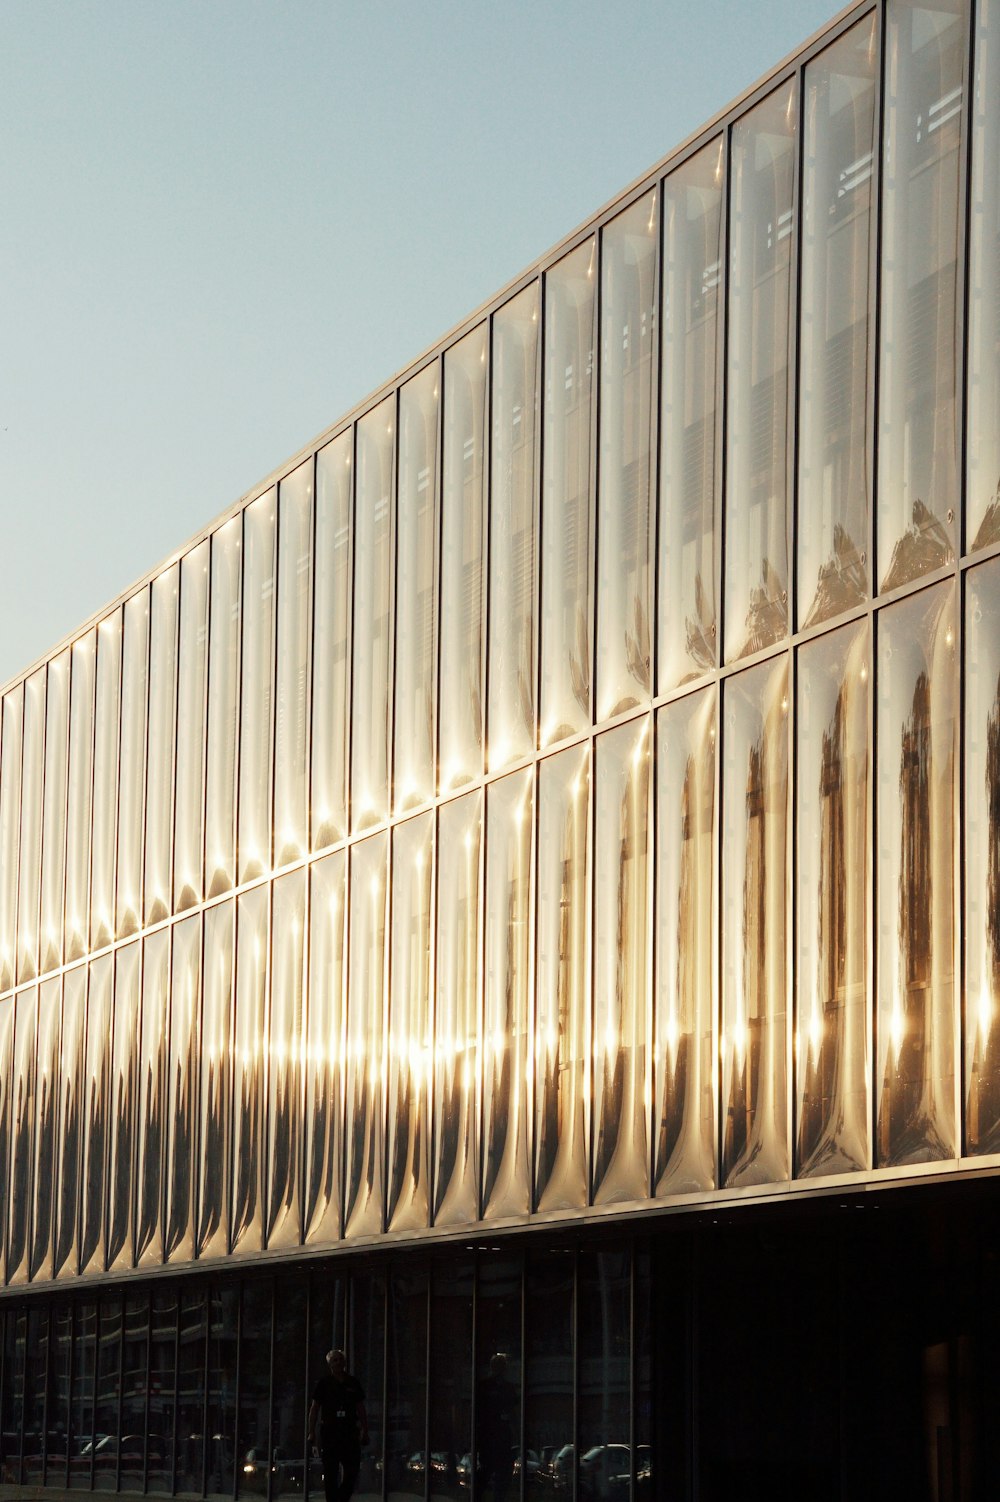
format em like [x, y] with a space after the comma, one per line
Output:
[338, 1403]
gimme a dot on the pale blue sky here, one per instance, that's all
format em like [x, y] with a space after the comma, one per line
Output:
[222, 224]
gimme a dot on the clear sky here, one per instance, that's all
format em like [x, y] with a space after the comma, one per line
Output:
[222, 224]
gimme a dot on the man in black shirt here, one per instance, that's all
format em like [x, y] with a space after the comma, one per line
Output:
[497, 1406]
[339, 1401]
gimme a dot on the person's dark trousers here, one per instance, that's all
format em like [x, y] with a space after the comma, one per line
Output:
[346, 1456]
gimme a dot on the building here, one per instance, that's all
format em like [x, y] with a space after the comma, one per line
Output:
[526, 881]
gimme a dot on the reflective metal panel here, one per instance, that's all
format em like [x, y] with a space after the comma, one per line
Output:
[456, 1015]
[43, 1167]
[215, 1091]
[761, 290]
[754, 1040]
[416, 594]
[326, 1043]
[22, 1126]
[915, 879]
[291, 696]
[372, 588]
[409, 1064]
[625, 458]
[331, 635]
[982, 523]
[256, 669]
[122, 1108]
[30, 847]
[223, 684]
[365, 1083]
[693, 226]
[566, 631]
[246, 1210]
[183, 1056]
[834, 494]
[102, 870]
[151, 1085]
[7, 1009]
[506, 1129]
[622, 966]
[460, 714]
[285, 1062]
[71, 1122]
[10, 823]
[982, 859]
[81, 768]
[54, 813]
[160, 744]
[131, 775]
[684, 1055]
[510, 724]
[832, 893]
[95, 1086]
[561, 1050]
[919, 337]
[192, 668]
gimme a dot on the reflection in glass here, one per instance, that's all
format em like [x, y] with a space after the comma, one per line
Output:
[107, 1395]
[372, 581]
[409, 1071]
[570, 304]
[192, 661]
[416, 543]
[761, 290]
[325, 1051]
[289, 1397]
[70, 1123]
[291, 707]
[182, 1091]
[604, 1285]
[223, 683]
[460, 752]
[507, 998]
[151, 1128]
[622, 979]
[366, 1359]
[190, 1416]
[246, 1202]
[215, 1089]
[754, 1040]
[284, 1065]
[982, 527]
[95, 1087]
[10, 811]
[456, 1017]
[82, 1387]
[331, 628]
[134, 1383]
[684, 1099]
[689, 426]
[22, 1097]
[498, 1373]
[121, 1108]
[30, 849]
[253, 1392]
[625, 462]
[54, 814]
[81, 766]
[511, 646]
[407, 1383]
[43, 1145]
[982, 859]
[834, 476]
[130, 767]
[365, 1039]
[915, 885]
[220, 1405]
[160, 744]
[254, 831]
[162, 1387]
[919, 343]
[450, 1397]
[548, 1363]
[831, 840]
[562, 994]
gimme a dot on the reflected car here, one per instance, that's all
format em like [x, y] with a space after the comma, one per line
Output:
[602, 1471]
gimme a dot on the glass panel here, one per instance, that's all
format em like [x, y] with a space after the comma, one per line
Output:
[135, 1359]
[511, 648]
[507, 998]
[151, 1117]
[291, 699]
[288, 1391]
[761, 290]
[982, 859]
[36, 1360]
[220, 1428]
[460, 750]
[95, 1114]
[570, 298]
[693, 218]
[255, 687]
[628, 276]
[160, 745]
[364, 1071]
[12, 1397]
[684, 1101]
[57, 1411]
[162, 1386]
[410, 1024]
[983, 427]
[754, 1041]
[107, 1396]
[81, 1424]
[456, 1018]
[54, 817]
[44, 1144]
[416, 596]
[498, 1374]
[10, 820]
[919, 340]
[562, 993]
[284, 1065]
[22, 1132]
[121, 1108]
[223, 680]
[247, 1204]
[253, 1412]
[549, 1370]
[30, 854]
[190, 1448]
[331, 628]
[70, 1128]
[622, 974]
[130, 769]
[605, 1370]
[328, 1296]
[372, 586]
[834, 470]
[182, 1090]
[189, 815]
[215, 1089]
[102, 872]
[450, 1406]
[915, 881]
[832, 842]
[366, 1359]
[325, 1051]
[81, 768]
[406, 1455]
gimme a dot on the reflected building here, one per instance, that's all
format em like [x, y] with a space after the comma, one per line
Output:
[518, 896]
